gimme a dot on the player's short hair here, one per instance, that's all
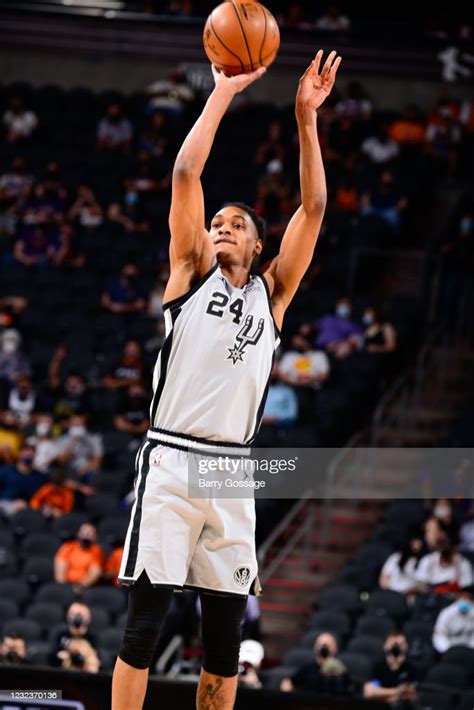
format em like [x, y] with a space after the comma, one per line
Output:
[256, 219]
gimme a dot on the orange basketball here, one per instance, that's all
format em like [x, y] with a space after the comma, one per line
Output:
[240, 37]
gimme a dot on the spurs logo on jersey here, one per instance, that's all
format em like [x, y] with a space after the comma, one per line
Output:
[212, 374]
[244, 337]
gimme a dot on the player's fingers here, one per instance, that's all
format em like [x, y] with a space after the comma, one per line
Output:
[327, 64]
[317, 60]
[334, 68]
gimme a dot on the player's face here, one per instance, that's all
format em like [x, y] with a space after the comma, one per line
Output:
[234, 236]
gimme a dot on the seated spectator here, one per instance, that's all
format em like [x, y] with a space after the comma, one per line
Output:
[444, 571]
[79, 655]
[21, 400]
[13, 650]
[44, 206]
[64, 397]
[112, 565]
[398, 572]
[408, 130]
[281, 410]
[379, 335]
[337, 333]
[37, 246]
[129, 370]
[433, 533]
[78, 619]
[170, 96]
[85, 210]
[11, 437]
[394, 679]
[155, 300]
[54, 499]
[333, 20]
[385, 201]
[444, 514]
[357, 106]
[325, 675]
[455, 624]
[14, 186]
[114, 132]
[133, 412]
[20, 123]
[379, 147]
[130, 215]
[53, 188]
[346, 197]
[11, 307]
[13, 361]
[466, 533]
[250, 659]
[80, 561]
[19, 482]
[79, 450]
[155, 140]
[72, 251]
[443, 136]
[156, 342]
[303, 366]
[124, 295]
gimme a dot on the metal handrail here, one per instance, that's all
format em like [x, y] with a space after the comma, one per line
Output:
[387, 399]
[174, 645]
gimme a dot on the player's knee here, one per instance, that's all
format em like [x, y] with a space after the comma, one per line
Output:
[221, 633]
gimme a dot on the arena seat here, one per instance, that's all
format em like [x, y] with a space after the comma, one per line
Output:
[337, 622]
[37, 570]
[46, 614]
[56, 593]
[367, 646]
[448, 674]
[378, 627]
[44, 544]
[26, 628]
[16, 589]
[28, 521]
[110, 598]
[385, 602]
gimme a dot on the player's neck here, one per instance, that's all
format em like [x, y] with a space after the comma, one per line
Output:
[238, 276]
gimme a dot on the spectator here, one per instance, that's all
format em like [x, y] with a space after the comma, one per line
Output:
[357, 106]
[37, 246]
[170, 96]
[124, 295]
[13, 650]
[280, 413]
[156, 342]
[393, 679]
[20, 123]
[132, 416]
[114, 132]
[129, 370]
[398, 572]
[79, 450]
[54, 499]
[53, 188]
[112, 565]
[154, 141]
[455, 624]
[79, 655]
[80, 561]
[129, 215]
[11, 437]
[64, 398]
[19, 482]
[72, 251]
[433, 533]
[337, 333]
[302, 365]
[444, 571]
[85, 210]
[13, 362]
[466, 533]
[379, 147]
[250, 659]
[14, 186]
[385, 201]
[325, 675]
[21, 400]
[379, 335]
[443, 137]
[444, 514]
[408, 130]
[78, 619]
[333, 20]
[155, 300]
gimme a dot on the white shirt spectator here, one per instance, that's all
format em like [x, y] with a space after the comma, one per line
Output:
[380, 151]
[431, 571]
[115, 133]
[454, 628]
[23, 124]
[304, 368]
[400, 580]
[330, 23]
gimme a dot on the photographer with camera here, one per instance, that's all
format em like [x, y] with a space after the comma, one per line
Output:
[79, 655]
[13, 650]
[327, 674]
[394, 680]
[78, 619]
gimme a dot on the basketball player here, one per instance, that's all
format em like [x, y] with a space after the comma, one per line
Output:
[210, 385]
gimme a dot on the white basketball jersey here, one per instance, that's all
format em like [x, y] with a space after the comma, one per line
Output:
[212, 375]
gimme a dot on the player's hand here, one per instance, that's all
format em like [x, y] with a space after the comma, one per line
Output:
[315, 86]
[236, 84]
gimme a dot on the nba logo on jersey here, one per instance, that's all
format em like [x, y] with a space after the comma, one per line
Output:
[156, 459]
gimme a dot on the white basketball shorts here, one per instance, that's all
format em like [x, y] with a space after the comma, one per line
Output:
[203, 543]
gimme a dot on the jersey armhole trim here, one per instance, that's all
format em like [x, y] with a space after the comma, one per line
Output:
[186, 296]
[267, 291]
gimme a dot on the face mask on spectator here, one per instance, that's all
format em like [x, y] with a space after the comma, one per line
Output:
[466, 224]
[464, 606]
[367, 319]
[26, 460]
[77, 430]
[441, 511]
[343, 310]
[395, 651]
[77, 621]
[43, 429]
[75, 388]
[85, 542]
[131, 198]
[324, 651]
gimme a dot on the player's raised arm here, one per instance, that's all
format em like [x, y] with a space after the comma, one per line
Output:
[299, 240]
[187, 218]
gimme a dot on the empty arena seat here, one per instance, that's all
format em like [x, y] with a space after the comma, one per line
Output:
[461, 656]
[345, 597]
[418, 629]
[338, 622]
[28, 521]
[8, 610]
[374, 626]
[67, 526]
[100, 618]
[44, 544]
[298, 657]
[385, 602]
[46, 614]
[8, 562]
[449, 675]
[367, 646]
[110, 640]
[109, 598]
[7, 539]
[359, 665]
[16, 589]
[57, 593]
[26, 628]
[38, 569]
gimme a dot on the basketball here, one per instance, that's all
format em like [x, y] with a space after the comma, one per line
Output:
[240, 37]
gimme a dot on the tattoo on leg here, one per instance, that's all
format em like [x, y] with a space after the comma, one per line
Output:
[211, 696]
